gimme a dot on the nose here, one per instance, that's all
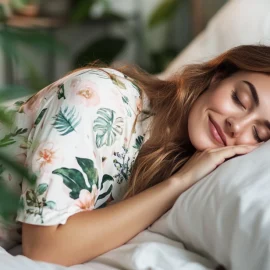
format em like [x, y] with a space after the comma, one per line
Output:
[236, 125]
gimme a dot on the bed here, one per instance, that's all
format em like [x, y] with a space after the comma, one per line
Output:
[223, 219]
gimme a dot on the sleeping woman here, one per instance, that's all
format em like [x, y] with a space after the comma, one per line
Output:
[113, 149]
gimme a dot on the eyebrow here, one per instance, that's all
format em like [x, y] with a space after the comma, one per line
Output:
[255, 97]
[254, 93]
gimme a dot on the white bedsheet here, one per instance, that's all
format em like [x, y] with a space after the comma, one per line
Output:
[145, 251]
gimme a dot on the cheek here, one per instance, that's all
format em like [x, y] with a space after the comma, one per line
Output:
[221, 102]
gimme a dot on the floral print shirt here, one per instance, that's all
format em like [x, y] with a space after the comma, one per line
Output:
[80, 136]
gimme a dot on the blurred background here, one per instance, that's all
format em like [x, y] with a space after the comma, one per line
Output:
[41, 40]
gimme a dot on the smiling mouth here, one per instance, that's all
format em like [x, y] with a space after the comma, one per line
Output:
[215, 134]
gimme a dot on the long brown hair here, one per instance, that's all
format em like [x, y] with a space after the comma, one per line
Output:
[168, 147]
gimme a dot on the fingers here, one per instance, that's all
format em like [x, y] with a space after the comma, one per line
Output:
[229, 152]
[243, 146]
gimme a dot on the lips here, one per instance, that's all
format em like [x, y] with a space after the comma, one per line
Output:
[216, 132]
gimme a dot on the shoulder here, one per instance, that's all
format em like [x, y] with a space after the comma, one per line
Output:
[102, 76]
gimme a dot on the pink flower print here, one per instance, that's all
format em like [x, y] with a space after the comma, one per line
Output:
[89, 97]
[86, 93]
[46, 156]
[87, 199]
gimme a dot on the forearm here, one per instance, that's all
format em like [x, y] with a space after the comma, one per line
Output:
[90, 234]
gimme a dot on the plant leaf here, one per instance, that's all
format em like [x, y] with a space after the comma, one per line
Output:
[9, 201]
[164, 11]
[18, 168]
[104, 49]
[81, 10]
[9, 92]
[7, 140]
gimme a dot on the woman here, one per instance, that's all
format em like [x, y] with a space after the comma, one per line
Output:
[84, 133]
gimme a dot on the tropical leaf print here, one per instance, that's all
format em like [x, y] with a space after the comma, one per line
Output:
[107, 127]
[138, 142]
[136, 87]
[75, 180]
[105, 194]
[133, 83]
[126, 103]
[36, 201]
[117, 82]
[9, 138]
[61, 91]
[87, 166]
[105, 178]
[66, 121]
[51, 204]
[40, 116]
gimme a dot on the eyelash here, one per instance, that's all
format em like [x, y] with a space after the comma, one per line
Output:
[237, 101]
[256, 135]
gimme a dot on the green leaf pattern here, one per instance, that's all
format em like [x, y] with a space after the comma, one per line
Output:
[36, 201]
[107, 127]
[94, 148]
[66, 121]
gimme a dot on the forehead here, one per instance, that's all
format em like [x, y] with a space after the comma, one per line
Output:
[261, 81]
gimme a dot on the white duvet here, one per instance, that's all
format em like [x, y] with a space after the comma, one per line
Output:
[146, 251]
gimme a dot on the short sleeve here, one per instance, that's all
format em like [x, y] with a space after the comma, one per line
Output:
[78, 122]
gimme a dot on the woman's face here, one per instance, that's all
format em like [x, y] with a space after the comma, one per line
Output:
[231, 112]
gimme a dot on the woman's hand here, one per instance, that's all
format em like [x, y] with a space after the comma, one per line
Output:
[202, 163]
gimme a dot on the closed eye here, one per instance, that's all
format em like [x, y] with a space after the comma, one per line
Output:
[256, 136]
[236, 99]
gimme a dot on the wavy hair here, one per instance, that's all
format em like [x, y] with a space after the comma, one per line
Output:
[168, 147]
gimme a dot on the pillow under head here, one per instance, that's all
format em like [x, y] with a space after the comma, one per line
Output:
[226, 215]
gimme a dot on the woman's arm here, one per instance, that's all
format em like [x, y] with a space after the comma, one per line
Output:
[89, 234]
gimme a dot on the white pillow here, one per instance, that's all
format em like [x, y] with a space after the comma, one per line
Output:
[226, 215]
[238, 22]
